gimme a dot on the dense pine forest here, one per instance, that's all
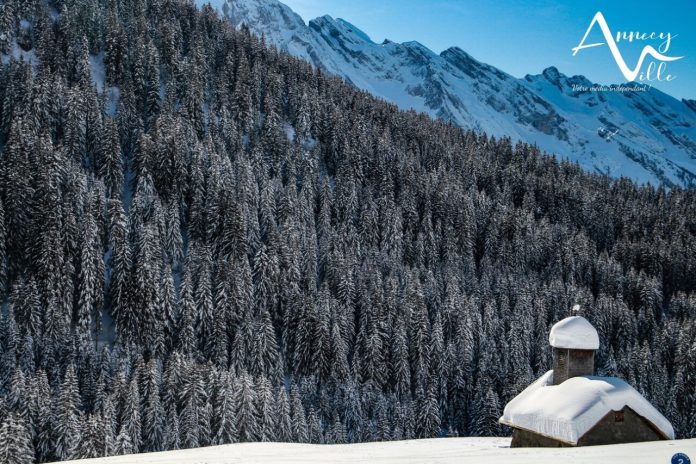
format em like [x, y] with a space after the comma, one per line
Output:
[206, 241]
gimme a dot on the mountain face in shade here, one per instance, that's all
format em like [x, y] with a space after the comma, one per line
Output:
[648, 136]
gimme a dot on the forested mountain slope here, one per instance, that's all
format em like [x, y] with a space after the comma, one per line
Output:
[204, 241]
[645, 135]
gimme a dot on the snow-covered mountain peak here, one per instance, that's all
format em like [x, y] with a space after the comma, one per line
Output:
[552, 73]
[457, 55]
[648, 136]
[471, 66]
[355, 30]
[338, 30]
[573, 85]
[338, 27]
[276, 18]
[690, 103]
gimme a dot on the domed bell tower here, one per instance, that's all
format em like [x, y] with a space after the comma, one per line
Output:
[574, 342]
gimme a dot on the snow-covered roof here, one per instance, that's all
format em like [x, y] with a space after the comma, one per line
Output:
[574, 332]
[568, 411]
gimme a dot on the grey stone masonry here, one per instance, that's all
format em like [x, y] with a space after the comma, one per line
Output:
[569, 363]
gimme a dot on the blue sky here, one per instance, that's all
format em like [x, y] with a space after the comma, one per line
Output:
[524, 37]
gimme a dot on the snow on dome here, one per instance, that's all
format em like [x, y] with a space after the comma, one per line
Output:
[574, 332]
[568, 411]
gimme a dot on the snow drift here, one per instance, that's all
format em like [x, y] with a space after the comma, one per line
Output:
[438, 450]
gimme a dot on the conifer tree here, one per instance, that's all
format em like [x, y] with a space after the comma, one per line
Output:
[111, 160]
[266, 407]
[124, 443]
[120, 264]
[282, 414]
[3, 250]
[131, 422]
[68, 416]
[300, 429]
[225, 421]
[15, 441]
[92, 444]
[246, 412]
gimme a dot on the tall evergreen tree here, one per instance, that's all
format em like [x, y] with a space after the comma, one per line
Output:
[68, 417]
[15, 441]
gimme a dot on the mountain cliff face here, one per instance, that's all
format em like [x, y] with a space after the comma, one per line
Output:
[645, 135]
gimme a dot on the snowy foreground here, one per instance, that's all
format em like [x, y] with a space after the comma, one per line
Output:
[441, 451]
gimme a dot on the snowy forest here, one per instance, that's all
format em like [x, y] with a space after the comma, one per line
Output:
[205, 241]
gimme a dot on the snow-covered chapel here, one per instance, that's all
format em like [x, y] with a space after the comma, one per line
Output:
[569, 406]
